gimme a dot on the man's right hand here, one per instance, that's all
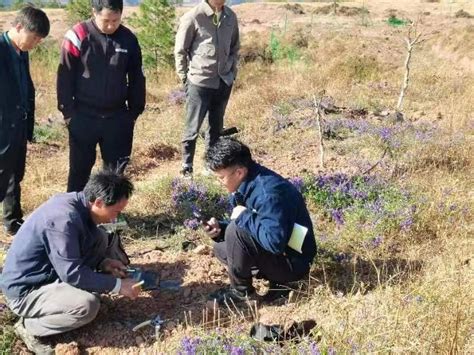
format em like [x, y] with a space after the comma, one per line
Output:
[212, 228]
[128, 290]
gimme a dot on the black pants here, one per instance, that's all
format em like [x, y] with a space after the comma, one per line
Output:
[114, 136]
[12, 170]
[199, 102]
[244, 257]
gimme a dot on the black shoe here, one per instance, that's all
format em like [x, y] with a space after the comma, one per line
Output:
[230, 295]
[276, 292]
[187, 172]
[13, 228]
[278, 333]
[33, 343]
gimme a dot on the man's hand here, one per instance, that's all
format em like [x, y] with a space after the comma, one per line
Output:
[237, 211]
[67, 121]
[113, 267]
[212, 228]
[128, 290]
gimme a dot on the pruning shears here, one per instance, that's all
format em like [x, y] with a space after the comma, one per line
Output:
[155, 322]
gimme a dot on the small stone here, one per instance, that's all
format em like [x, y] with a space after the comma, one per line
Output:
[201, 250]
[170, 325]
[139, 340]
[67, 349]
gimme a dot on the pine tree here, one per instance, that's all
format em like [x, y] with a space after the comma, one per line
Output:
[154, 23]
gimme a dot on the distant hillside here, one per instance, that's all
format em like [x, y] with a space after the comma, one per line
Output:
[6, 3]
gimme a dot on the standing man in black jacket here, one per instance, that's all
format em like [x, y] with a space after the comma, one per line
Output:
[101, 90]
[17, 107]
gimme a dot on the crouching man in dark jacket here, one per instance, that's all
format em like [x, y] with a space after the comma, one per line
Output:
[17, 107]
[56, 264]
[270, 233]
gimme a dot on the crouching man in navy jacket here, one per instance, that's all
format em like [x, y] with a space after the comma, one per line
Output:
[270, 233]
[56, 266]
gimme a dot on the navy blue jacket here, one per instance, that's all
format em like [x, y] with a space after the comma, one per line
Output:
[274, 205]
[59, 240]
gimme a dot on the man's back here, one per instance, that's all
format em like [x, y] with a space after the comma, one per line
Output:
[38, 252]
[275, 206]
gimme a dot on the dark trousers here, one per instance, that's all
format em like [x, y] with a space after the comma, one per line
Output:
[244, 257]
[199, 102]
[12, 170]
[114, 136]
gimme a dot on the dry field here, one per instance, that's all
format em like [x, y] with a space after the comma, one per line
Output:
[403, 286]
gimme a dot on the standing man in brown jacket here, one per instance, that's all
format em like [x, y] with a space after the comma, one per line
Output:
[206, 53]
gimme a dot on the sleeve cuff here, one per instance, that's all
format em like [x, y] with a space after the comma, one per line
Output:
[118, 286]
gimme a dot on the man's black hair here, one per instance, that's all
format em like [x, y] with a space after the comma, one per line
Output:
[113, 5]
[108, 185]
[227, 152]
[33, 20]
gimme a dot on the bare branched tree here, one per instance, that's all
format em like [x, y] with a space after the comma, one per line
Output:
[319, 126]
[413, 38]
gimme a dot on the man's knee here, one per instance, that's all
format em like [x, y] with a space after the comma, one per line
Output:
[87, 308]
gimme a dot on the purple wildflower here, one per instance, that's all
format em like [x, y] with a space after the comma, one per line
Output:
[337, 216]
[340, 257]
[177, 97]
[377, 241]
[406, 224]
[314, 348]
[191, 223]
[297, 182]
[190, 345]
[237, 350]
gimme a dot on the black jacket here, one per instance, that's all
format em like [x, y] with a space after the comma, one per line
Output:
[100, 74]
[16, 120]
[11, 111]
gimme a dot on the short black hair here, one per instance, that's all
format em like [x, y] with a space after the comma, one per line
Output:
[33, 20]
[108, 185]
[227, 152]
[114, 5]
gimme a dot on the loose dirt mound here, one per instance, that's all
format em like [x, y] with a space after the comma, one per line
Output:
[340, 10]
[150, 157]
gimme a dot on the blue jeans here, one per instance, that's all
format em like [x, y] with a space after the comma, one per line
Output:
[201, 101]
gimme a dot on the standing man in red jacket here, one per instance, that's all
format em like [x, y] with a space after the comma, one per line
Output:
[101, 90]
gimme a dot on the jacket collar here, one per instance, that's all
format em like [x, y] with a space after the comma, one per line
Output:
[207, 9]
[85, 206]
[253, 170]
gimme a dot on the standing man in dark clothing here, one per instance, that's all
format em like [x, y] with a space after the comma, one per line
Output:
[206, 53]
[270, 233]
[56, 264]
[101, 90]
[17, 107]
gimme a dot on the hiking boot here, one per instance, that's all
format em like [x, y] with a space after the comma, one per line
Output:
[230, 295]
[276, 292]
[33, 343]
[13, 228]
[187, 172]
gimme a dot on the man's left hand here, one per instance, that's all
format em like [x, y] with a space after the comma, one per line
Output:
[114, 267]
[237, 211]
